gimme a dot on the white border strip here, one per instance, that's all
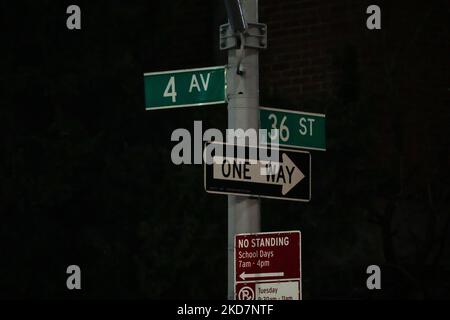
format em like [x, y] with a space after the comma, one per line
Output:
[267, 232]
[294, 111]
[296, 146]
[184, 105]
[183, 70]
[256, 196]
[275, 280]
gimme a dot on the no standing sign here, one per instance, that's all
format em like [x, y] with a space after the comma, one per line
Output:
[267, 266]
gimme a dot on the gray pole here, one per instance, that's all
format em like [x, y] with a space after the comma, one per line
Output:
[243, 113]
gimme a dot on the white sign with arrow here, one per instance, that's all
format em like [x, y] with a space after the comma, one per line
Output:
[285, 174]
[287, 179]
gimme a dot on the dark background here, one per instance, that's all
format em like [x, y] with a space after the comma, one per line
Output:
[86, 176]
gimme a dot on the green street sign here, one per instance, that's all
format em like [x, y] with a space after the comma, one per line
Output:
[184, 88]
[296, 129]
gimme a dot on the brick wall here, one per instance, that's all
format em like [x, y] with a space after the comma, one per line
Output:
[305, 37]
[322, 49]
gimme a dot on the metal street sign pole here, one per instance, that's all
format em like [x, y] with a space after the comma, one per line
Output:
[243, 113]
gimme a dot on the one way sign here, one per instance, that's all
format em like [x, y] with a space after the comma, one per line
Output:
[250, 171]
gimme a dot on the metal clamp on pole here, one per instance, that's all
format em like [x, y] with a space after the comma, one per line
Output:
[255, 37]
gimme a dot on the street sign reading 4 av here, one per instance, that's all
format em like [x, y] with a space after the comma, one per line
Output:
[288, 178]
[184, 88]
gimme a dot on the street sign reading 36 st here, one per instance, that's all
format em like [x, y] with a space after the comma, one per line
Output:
[296, 129]
[184, 88]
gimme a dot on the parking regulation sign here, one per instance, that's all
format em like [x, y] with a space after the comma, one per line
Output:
[267, 266]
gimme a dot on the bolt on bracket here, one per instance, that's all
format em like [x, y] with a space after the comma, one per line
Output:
[255, 36]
